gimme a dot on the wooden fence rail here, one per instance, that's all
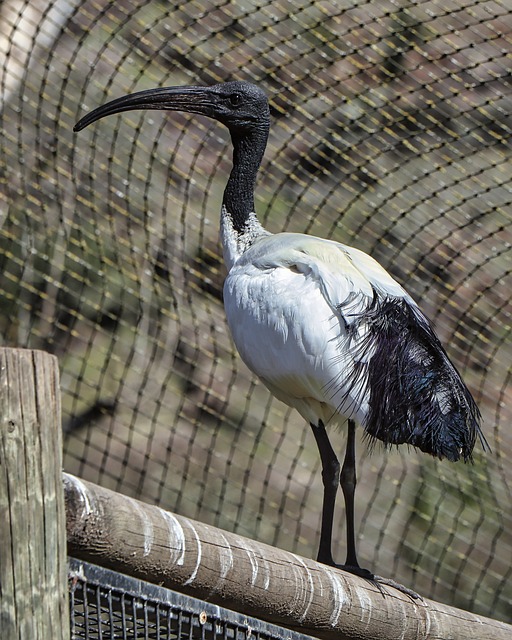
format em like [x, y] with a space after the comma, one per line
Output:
[146, 542]
[129, 536]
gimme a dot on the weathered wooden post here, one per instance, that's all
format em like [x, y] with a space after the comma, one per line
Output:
[33, 576]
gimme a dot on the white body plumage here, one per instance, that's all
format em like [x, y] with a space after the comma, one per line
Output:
[290, 300]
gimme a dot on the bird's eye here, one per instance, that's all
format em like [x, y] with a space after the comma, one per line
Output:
[235, 99]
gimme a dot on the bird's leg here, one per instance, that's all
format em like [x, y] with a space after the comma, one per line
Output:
[330, 478]
[348, 481]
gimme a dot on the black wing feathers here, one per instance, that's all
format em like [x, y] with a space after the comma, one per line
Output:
[417, 397]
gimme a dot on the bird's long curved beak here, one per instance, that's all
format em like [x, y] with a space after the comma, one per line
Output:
[191, 99]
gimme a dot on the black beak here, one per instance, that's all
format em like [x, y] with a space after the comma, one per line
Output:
[190, 99]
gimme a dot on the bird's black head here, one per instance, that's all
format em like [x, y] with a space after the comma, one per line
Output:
[240, 106]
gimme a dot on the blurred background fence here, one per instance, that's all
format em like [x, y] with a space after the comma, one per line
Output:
[391, 132]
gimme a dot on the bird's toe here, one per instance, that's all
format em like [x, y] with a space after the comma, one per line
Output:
[389, 582]
[357, 571]
[379, 581]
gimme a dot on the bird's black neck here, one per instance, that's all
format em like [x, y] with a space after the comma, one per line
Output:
[248, 150]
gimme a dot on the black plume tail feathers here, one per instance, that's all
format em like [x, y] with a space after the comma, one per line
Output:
[417, 397]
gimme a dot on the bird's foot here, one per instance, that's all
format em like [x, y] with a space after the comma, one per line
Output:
[379, 581]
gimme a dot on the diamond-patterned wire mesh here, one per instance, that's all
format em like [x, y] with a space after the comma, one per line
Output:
[391, 132]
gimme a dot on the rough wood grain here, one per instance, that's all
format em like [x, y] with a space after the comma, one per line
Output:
[33, 575]
[226, 569]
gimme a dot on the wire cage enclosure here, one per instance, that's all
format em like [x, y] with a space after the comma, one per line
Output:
[390, 132]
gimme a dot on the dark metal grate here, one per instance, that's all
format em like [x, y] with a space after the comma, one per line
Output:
[105, 605]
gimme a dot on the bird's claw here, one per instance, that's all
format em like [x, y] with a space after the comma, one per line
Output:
[379, 581]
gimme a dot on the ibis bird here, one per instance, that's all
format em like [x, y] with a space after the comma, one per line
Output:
[322, 324]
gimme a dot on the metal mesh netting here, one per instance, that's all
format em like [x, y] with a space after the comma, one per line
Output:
[391, 132]
[107, 605]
